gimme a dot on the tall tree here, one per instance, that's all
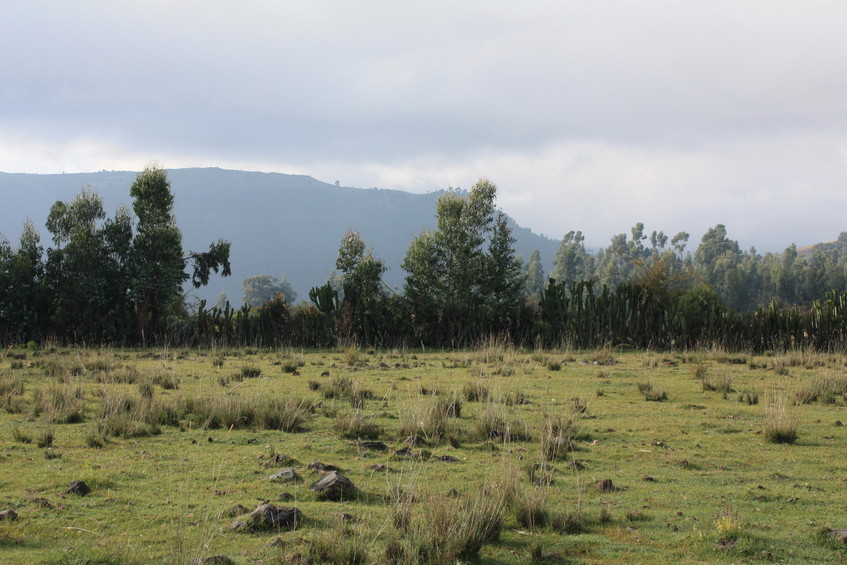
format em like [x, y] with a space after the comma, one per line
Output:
[158, 264]
[534, 276]
[572, 262]
[361, 280]
[259, 289]
[462, 270]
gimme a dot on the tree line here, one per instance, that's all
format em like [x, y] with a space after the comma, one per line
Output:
[121, 279]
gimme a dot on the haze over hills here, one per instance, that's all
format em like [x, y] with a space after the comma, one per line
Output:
[277, 223]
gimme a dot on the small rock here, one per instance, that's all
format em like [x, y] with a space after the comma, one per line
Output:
[286, 474]
[318, 466]
[380, 468]
[333, 486]
[839, 534]
[79, 488]
[209, 439]
[446, 458]
[213, 560]
[373, 445]
[8, 515]
[270, 517]
[285, 497]
[348, 517]
[237, 510]
[276, 542]
[606, 485]
[648, 479]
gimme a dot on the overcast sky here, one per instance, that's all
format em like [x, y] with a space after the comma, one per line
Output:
[588, 115]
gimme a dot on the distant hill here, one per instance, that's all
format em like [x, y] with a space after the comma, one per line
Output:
[837, 248]
[277, 223]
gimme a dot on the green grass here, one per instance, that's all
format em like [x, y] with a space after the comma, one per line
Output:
[505, 468]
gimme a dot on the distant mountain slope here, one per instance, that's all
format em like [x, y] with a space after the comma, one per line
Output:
[277, 223]
[837, 248]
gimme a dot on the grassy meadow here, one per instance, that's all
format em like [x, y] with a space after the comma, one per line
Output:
[506, 455]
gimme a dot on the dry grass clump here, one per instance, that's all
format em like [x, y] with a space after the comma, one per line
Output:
[454, 530]
[476, 392]
[780, 425]
[557, 436]
[492, 423]
[287, 415]
[11, 391]
[826, 390]
[356, 425]
[650, 394]
[430, 421]
[127, 416]
[61, 403]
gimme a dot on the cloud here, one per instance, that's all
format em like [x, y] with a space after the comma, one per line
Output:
[590, 115]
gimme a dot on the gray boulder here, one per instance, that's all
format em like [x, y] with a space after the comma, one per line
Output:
[333, 486]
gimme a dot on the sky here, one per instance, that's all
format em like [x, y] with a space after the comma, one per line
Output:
[587, 116]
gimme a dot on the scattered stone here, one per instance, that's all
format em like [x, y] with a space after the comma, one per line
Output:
[838, 423]
[333, 486]
[276, 542]
[606, 485]
[209, 439]
[838, 535]
[406, 452]
[287, 474]
[8, 515]
[318, 466]
[453, 493]
[213, 560]
[380, 468]
[648, 479]
[373, 445]
[269, 517]
[79, 488]
[324, 373]
[237, 510]
[345, 517]
[285, 497]
[280, 459]
[413, 441]
[446, 458]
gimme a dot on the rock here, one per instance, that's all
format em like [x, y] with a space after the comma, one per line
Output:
[333, 486]
[8, 515]
[276, 542]
[406, 452]
[446, 458]
[237, 510]
[318, 466]
[838, 535]
[345, 517]
[287, 474]
[373, 445]
[380, 467]
[648, 479]
[285, 497]
[270, 517]
[213, 560]
[79, 488]
[606, 485]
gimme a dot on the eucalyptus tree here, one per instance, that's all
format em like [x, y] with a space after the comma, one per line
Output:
[260, 289]
[534, 273]
[463, 278]
[361, 281]
[158, 263]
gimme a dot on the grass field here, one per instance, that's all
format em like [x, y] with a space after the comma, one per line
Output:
[520, 456]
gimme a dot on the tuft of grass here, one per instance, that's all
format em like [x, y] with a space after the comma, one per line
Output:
[651, 395]
[456, 530]
[355, 425]
[21, 436]
[780, 425]
[61, 403]
[250, 372]
[476, 392]
[557, 437]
